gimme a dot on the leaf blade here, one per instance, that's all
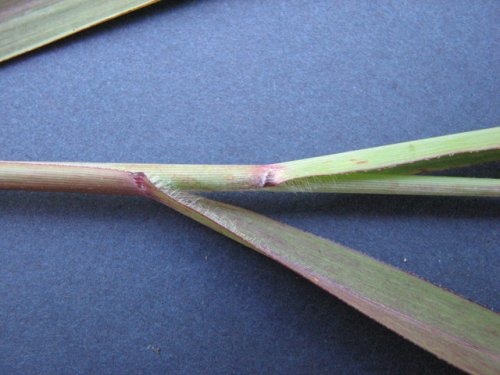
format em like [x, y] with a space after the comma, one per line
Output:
[26, 25]
[437, 153]
[456, 330]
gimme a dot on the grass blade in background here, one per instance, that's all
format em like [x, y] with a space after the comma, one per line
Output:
[26, 25]
[453, 328]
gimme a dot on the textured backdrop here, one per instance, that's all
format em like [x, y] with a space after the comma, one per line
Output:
[92, 284]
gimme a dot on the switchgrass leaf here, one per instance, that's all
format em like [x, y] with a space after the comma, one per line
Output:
[437, 153]
[26, 25]
[461, 332]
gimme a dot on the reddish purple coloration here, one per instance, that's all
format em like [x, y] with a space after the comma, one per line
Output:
[270, 179]
[269, 175]
[141, 181]
[356, 161]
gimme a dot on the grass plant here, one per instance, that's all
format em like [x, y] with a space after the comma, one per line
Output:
[457, 330]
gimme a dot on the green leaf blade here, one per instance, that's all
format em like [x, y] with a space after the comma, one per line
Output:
[456, 330]
[437, 153]
[26, 25]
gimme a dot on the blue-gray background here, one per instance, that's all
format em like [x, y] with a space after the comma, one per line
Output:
[89, 284]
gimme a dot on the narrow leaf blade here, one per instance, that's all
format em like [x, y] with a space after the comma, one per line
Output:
[437, 153]
[456, 330]
[26, 25]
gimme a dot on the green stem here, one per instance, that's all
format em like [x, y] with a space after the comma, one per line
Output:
[34, 176]
[116, 179]
[378, 170]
